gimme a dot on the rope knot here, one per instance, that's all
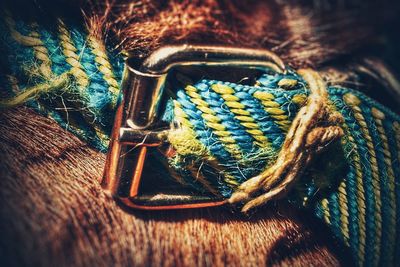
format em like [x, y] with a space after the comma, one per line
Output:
[315, 126]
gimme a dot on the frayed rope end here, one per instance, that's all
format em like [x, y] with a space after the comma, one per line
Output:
[37, 91]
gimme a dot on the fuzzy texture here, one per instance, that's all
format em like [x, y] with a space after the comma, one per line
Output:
[41, 161]
[72, 75]
[299, 31]
[354, 189]
[53, 211]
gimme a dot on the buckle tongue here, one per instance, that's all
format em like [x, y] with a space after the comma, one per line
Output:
[138, 128]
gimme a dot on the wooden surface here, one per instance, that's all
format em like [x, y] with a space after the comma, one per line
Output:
[54, 213]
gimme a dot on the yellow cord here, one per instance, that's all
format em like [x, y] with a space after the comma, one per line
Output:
[36, 91]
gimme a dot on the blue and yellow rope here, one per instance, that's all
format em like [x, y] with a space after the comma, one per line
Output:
[362, 210]
[55, 50]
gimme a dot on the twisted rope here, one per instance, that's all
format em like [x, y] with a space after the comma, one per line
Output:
[306, 137]
[51, 64]
[60, 83]
[358, 209]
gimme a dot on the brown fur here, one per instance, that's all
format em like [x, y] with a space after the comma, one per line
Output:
[53, 211]
[303, 33]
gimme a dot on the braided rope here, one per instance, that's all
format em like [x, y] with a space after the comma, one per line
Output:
[359, 198]
[391, 235]
[213, 122]
[354, 102]
[273, 108]
[82, 79]
[242, 115]
[105, 67]
[304, 138]
[56, 55]
[351, 209]
[72, 58]
[324, 203]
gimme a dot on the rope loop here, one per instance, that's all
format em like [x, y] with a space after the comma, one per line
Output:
[315, 126]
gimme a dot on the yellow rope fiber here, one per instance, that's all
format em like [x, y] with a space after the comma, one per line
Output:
[354, 102]
[306, 137]
[36, 91]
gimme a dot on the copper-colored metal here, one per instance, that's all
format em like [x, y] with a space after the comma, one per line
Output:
[136, 126]
[128, 202]
[137, 173]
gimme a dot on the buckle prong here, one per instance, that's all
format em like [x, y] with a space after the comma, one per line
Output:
[132, 136]
[137, 124]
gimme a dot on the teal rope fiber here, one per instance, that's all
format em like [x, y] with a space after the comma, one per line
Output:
[247, 171]
[86, 108]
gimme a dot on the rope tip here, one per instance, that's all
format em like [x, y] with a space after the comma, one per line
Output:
[238, 196]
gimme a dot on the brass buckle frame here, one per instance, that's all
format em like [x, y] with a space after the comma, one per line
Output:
[136, 127]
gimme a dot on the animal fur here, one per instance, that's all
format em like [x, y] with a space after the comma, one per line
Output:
[53, 211]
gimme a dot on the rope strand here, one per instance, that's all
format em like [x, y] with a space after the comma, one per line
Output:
[306, 137]
[36, 91]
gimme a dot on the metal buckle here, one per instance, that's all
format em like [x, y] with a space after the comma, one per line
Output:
[137, 126]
